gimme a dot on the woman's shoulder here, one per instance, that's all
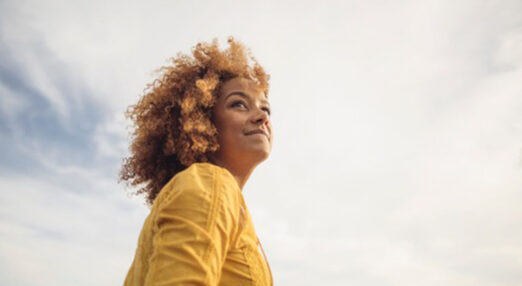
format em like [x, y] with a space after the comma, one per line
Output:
[204, 175]
[198, 179]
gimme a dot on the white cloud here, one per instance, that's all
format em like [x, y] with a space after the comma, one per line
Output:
[62, 236]
[110, 137]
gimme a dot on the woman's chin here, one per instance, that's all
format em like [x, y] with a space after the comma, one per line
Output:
[261, 155]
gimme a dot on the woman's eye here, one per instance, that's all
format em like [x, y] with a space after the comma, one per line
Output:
[267, 110]
[238, 104]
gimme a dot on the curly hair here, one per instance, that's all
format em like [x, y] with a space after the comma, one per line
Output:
[172, 120]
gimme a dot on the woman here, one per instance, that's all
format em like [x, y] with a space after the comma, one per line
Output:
[200, 131]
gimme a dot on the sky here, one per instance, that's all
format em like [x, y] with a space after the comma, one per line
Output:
[397, 157]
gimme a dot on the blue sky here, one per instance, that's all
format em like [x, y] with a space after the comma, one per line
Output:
[398, 136]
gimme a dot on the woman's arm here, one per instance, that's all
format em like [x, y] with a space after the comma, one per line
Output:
[193, 228]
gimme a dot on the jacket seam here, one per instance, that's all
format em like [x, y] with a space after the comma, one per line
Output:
[212, 213]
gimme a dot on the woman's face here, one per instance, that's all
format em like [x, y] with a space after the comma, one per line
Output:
[242, 118]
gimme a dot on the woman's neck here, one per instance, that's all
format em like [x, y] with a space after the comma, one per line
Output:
[239, 172]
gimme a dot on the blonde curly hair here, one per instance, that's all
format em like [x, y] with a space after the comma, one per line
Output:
[173, 125]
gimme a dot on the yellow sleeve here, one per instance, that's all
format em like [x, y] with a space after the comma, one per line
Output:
[194, 224]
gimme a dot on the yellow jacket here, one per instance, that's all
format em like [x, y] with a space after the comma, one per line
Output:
[199, 232]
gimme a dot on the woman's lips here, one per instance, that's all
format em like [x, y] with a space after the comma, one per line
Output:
[257, 132]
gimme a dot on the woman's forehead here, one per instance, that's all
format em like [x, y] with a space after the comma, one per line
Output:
[243, 84]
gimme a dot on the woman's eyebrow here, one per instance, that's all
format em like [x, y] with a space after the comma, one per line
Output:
[245, 95]
[240, 93]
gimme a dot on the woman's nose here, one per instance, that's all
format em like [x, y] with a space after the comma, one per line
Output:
[261, 116]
